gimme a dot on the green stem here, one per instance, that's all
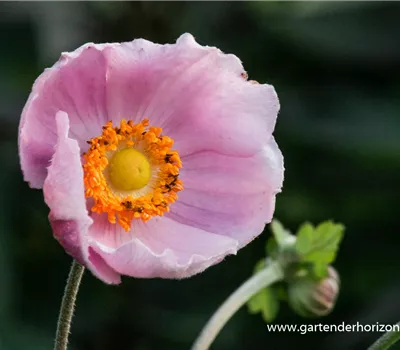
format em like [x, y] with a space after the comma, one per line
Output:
[68, 305]
[387, 340]
[271, 274]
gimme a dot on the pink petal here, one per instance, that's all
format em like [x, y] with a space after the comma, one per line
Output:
[196, 94]
[228, 195]
[64, 194]
[159, 248]
[76, 85]
[214, 172]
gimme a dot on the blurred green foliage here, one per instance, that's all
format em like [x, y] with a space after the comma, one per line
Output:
[336, 68]
[266, 301]
[305, 260]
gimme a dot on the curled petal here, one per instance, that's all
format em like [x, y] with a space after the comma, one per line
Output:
[159, 248]
[64, 194]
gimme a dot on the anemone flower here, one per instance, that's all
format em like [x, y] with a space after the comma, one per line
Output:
[154, 160]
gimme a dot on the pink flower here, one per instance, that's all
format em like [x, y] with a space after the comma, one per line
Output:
[155, 160]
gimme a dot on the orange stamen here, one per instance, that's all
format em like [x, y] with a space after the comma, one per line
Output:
[124, 206]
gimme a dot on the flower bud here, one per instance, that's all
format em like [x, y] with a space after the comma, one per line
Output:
[309, 298]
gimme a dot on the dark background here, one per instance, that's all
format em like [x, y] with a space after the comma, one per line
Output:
[335, 66]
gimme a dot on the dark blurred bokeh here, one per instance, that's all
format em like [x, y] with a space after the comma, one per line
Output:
[336, 68]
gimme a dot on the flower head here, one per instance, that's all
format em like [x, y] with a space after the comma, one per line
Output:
[155, 160]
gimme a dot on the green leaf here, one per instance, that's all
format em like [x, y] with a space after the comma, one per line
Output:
[320, 270]
[265, 301]
[282, 236]
[304, 235]
[319, 245]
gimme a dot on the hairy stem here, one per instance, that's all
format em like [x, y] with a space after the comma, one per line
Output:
[269, 275]
[387, 340]
[68, 305]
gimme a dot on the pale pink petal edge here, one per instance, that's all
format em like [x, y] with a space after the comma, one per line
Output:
[64, 194]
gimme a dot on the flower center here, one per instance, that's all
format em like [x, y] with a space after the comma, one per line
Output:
[131, 173]
[129, 170]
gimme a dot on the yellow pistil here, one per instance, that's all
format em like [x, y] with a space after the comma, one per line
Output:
[131, 172]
